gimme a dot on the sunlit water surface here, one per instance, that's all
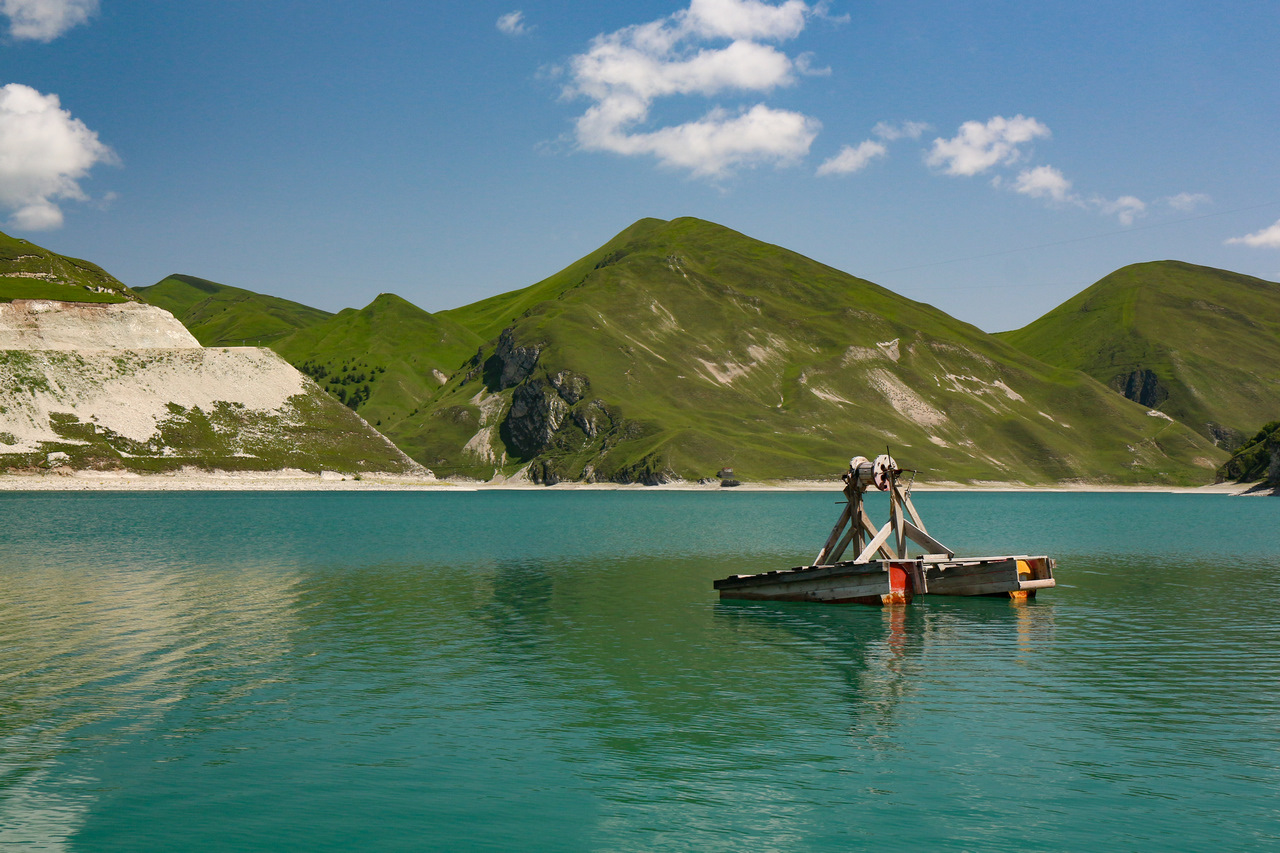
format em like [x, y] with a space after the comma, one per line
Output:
[552, 671]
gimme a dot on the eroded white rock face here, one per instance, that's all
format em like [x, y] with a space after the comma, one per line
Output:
[125, 385]
[43, 324]
[130, 391]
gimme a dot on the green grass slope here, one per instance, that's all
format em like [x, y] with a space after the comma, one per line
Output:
[1258, 459]
[28, 271]
[680, 347]
[221, 315]
[385, 360]
[1199, 344]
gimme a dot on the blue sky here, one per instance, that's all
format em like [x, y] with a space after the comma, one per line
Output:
[991, 158]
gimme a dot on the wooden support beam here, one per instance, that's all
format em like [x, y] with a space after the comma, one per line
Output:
[834, 556]
[872, 530]
[821, 559]
[924, 540]
[915, 516]
[857, 521]
[895, 516]
[874, 545]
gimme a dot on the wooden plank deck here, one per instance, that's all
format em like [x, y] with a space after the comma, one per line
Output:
[894, 581]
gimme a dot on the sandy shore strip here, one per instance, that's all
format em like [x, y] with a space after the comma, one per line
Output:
[61, 479]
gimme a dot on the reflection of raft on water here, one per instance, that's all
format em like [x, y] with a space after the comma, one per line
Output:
[883, 575]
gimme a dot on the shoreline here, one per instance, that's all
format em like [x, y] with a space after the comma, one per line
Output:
[295, 480]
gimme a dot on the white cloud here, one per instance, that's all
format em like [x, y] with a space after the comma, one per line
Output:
[1126, 208]
[1267, 238]
[744, 19]
[720, 142]
[981, 147]
[45, 20]
[1187, 202]
[804, 65]
[513, 24]
[978, 147]
[851, 159]
[1049, 183]
[625, 71]
[1044, 182]
[890, 132]
[44, 152]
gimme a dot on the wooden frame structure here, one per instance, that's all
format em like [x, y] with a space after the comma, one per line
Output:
[854, 525]
[881, 574]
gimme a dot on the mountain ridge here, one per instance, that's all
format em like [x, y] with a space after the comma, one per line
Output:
[685, 346]
[680, 347]
[222, 315]
[1199, 344]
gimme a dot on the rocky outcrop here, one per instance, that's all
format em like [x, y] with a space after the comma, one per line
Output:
[592, 418]
[43, 324]
[1142, 386]
[510, 363]
[649, 471]
[570, 386]
[535, 415]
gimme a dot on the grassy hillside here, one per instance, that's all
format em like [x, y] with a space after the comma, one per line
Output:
[680, 347]
[1258, 459]
[28, 271]
[1201, 345]
[221, 315]
[385, 360]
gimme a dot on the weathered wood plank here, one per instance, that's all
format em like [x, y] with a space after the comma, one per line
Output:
[879, 539]
[915, 516]
[1045, 583]
[834, 537]
[895, 515]
[871, 530]
[924, 540]
[798, 574]
[843, 545]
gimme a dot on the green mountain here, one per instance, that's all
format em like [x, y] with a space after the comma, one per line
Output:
[1201, 345]
[28, 271]
[681, 347]
[221, 315]
[385, 360]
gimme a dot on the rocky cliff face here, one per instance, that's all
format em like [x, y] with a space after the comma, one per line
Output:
[125, 386]
[1141, 386]
[546, 416]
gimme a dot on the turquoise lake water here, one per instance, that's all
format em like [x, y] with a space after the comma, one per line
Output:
[552, 671]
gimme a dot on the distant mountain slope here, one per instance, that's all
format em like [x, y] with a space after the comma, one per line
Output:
[385, 360]
[1200, 344]
[682, 346]
[221, 315]
[28, 271]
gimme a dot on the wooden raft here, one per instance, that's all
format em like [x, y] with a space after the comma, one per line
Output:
[881, 574]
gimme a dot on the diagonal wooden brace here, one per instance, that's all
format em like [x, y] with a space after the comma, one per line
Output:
[821, 559]
[877, 544]
[924, 540]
